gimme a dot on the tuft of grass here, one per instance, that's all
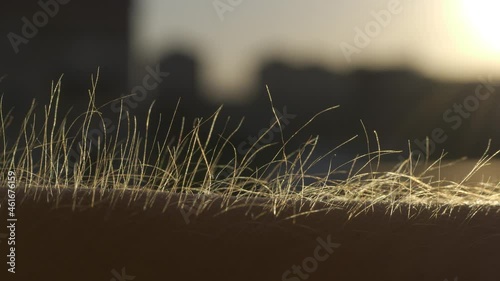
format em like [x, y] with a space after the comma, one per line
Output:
[126, 159]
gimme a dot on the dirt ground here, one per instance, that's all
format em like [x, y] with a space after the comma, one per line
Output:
[120, 240]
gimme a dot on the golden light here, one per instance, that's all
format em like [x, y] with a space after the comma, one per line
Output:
[484, 20]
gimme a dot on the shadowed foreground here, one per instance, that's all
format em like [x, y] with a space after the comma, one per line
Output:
[118, 239]
[77, 219]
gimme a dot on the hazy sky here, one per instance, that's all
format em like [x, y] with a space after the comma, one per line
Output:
[447, 38]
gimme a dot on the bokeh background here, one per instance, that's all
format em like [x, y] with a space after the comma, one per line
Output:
[409, 70]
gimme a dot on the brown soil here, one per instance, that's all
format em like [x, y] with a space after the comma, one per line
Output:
[58, 242]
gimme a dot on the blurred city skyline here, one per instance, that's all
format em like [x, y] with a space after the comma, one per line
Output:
[444, 40]
[312, 56]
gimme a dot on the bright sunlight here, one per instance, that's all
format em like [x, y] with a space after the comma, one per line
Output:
[482, 16]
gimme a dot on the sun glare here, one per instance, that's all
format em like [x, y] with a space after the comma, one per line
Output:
[482, 16]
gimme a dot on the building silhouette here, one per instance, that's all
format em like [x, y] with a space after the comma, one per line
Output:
[73, 39]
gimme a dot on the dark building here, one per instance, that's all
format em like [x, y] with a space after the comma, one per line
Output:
[399, 104]
[44, 39]
[182, 83]
[47, 38]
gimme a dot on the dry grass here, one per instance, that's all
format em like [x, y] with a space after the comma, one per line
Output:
[39, 156]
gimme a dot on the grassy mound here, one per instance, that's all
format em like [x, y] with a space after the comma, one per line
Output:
[45, 155]
[81, 193]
